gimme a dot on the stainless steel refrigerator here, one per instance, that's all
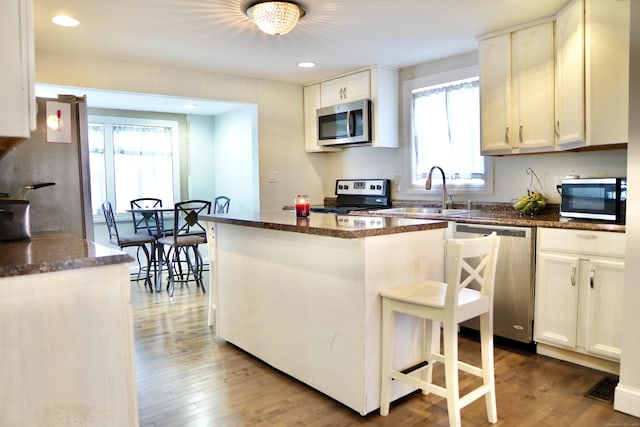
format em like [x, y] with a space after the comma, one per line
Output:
[48, 157]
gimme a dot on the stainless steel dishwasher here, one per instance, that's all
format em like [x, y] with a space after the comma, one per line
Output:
[513, 297]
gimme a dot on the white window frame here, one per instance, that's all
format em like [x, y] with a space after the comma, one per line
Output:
[407, 98]
[109, 155]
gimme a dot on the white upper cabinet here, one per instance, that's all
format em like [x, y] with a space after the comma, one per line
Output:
[495, 94]
[17, 108]
[347, 88]
[517, 91]
[533, 88]
[570, 76]
[575, 77]
[311, 104]
[607, 24]
[592, 73]
[379, 84]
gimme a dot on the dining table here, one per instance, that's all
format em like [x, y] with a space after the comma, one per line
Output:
[153, 216]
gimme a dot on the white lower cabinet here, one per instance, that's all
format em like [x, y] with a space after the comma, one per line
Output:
[579, 291]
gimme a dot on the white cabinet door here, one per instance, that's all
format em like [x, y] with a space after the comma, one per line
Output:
[517, 91]
[605, 282]
[579, 291]
[344, 89]
[570, 99]
[311, 103]
[379, 84]
[607, 25]
[556, 299]
[17, 108]
[495, 94]
[533, 88]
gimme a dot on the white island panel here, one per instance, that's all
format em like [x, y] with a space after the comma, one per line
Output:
[309, 305]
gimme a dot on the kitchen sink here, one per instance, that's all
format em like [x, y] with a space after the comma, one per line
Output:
[411, 211]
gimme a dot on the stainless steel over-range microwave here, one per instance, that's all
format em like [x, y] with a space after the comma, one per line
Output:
[345, 124]
[595, 198]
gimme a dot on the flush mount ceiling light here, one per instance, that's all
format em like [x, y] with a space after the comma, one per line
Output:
[275, 17]
[65, 21]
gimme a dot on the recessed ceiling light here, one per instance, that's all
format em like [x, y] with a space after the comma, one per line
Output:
[191, 106]
[306, 64]
[65, 21]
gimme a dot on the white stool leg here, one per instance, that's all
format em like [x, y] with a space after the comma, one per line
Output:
[488, 377]
[387, 355]
[450, 332]
[431, 345]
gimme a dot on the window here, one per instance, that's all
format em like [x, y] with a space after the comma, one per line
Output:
[132, 158]
[445, 131]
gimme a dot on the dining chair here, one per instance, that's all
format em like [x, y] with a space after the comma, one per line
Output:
[188, 233]
[151, 223]
[137, 240]
[472, 261]
[221, 205]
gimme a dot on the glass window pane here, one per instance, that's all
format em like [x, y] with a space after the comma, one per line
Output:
[143, 164]
[97, 166]
[446, 133]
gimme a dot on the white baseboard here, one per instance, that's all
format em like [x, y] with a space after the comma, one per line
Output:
[627, 400]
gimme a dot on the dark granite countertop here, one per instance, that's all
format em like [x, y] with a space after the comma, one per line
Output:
[343, 226]
[49, 252]
[504, 214]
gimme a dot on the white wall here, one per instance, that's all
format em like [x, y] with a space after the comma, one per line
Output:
[279, 111]
[236, 148]
[627, 397]
[201, 156]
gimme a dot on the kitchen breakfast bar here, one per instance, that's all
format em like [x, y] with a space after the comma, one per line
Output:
[302, 294]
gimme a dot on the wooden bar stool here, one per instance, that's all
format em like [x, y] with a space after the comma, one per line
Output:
[450, 303]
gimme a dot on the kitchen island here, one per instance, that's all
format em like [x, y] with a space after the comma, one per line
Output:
[66, 332]
[301, 294]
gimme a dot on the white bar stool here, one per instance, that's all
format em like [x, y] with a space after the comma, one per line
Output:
[471, 260]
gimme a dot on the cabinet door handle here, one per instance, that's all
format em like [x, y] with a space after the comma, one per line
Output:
[592, 277]
[586, 236]
[557, 129]
[506, 134]
[520, 134]
[573, 276]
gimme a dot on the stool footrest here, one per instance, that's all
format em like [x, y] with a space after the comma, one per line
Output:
[415, 368]
[470, 369]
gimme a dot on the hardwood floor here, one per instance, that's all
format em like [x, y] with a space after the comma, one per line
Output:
[186, 376]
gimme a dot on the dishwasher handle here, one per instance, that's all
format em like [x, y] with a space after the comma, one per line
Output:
[509, 232]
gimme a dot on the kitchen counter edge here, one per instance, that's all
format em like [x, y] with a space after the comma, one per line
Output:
[330, 225]
[51, 252]
[551, 220]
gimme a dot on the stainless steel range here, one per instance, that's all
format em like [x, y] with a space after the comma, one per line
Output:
[358, 194]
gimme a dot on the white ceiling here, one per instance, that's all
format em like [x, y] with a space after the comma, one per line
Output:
[338, 35]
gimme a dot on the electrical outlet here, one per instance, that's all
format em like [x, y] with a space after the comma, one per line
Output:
[273, 176]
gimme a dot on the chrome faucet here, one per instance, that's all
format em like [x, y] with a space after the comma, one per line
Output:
[427, 185]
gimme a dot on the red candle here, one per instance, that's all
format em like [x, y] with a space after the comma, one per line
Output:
[303, 205]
